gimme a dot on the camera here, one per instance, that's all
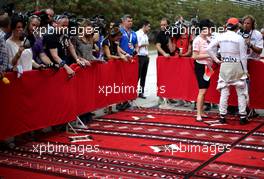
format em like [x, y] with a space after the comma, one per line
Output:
[44, 19]
[73, 22]
[9, 9]
[98, 21]
[244, 34]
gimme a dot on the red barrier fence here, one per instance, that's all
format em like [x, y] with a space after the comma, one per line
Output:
[45, 98]
[178, 78]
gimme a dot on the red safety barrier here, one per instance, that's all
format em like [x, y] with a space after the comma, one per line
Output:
[179, 81]
[45, 98]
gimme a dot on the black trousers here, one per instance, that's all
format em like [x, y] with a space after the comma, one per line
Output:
[142, 70]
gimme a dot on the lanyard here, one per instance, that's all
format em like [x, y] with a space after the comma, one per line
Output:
[130, 36]
[250, 35]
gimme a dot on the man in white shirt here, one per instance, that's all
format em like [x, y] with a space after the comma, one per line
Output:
[254, 41]
[253, 37]
[143, 57]
[233, 69]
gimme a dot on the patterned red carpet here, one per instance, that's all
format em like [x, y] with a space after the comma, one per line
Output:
[144, 143]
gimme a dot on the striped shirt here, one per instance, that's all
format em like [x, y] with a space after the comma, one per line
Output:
[3, 53]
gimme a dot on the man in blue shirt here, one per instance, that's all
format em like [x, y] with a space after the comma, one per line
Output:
[129, 47]
[128, 42]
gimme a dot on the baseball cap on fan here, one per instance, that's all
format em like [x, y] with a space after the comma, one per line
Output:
[232, 23]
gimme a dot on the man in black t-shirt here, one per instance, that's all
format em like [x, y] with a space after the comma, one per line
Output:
[162, 46]
[59, 42]
[162, 39]
[57, 45]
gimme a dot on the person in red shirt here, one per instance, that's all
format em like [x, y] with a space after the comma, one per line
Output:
[183, 43]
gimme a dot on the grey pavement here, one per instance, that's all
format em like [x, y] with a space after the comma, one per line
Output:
[151, 86]
[151, 93]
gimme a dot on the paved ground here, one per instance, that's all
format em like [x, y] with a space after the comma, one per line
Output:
[150, 90]
[151, 84]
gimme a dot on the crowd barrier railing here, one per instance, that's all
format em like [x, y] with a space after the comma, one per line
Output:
[40, 99]
[176, 78]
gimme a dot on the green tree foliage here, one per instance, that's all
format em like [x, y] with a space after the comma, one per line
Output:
[153, 10]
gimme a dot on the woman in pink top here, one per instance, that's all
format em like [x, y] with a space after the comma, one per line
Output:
[202, 63]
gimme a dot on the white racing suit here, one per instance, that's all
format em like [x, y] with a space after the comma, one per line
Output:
[233, 69]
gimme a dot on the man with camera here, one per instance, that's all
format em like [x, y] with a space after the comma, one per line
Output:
[253, 37]
[254, 41]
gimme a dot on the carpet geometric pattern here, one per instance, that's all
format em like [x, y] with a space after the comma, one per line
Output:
[147, 143]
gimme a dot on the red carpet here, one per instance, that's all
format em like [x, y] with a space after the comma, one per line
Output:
[124, 147]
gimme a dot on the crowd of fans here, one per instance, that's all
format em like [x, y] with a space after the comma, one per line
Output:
[43, 40]
[35, 42]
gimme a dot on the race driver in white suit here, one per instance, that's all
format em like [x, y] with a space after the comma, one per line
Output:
[233, 68]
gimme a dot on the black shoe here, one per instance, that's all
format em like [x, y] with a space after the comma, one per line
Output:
[222, 119]
[208, 107]
[214, 106]
[7, 145]
[194, 106]
[173, 101]
[243, 119]
[59, 128]
[142, 96]
[91, 113]
[119, 107]
[252, 113]
[232, 110]
[124, 106]
[85, 118]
